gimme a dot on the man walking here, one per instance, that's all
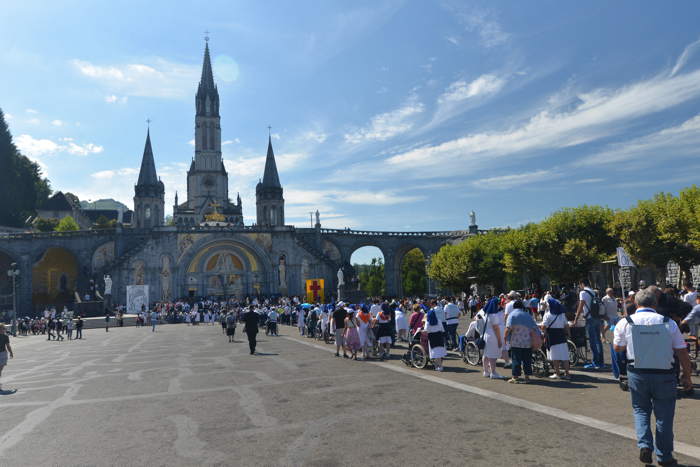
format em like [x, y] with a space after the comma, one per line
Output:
[589, 310]
[79, 328]
[154, 320]
[452, 321]
[251, 320]
[650, 340]
[5, 348]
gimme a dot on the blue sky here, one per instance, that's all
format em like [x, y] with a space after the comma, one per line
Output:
[385, 114]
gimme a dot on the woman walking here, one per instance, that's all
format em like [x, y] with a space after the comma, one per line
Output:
[556, 329]
[401, 324]
[352, 337]
[363, 330]
[493, 320]
[383, 324]
[436, 339]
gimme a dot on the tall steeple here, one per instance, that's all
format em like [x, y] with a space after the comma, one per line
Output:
[147, 175]
[269, 194]
[149, 192]
[270, 176]
[207, 92]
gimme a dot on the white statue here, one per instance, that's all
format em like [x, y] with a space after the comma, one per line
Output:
[318, 217]
[283, 272]
[472, 218]
[341, 277]
[108, 285]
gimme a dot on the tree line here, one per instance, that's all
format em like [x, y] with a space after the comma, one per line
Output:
[565, 246]
[22, 186]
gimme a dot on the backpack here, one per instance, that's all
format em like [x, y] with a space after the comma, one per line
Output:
[596, 306]
[432, 318]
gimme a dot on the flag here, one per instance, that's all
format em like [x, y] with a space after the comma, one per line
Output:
[623, 259]
[314, 290]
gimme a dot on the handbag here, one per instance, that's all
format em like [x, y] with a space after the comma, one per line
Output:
[481, 342]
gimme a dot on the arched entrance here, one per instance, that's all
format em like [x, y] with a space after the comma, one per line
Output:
[368, 268]
[54, 278]
[225, 269]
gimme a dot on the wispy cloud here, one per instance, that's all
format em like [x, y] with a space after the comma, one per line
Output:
[112, 99]
[331, 197]
[57, 122]
[388, 124]
[504, 182]
[160, 78]
[109, 174]
[483, 23]
[31, 111]
[677, 141]
[253, 166]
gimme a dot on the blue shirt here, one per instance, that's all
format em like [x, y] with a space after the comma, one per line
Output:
[694, 315]
[520, 317]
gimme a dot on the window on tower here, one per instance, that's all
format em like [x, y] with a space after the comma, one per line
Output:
[147, 213]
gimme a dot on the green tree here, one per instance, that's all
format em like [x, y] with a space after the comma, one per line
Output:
[67, 224]
[449, 269]
[46, 225]
[573, 240]
[372, 280]
[22, 188]
[103, 222]
[413, 277]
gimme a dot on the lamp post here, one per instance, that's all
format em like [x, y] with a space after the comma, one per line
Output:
[13, 273]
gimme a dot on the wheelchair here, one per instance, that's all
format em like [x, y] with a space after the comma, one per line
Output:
[471, 353]
[578, 346]
[417, 355]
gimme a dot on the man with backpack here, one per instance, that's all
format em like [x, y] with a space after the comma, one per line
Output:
[589, 306]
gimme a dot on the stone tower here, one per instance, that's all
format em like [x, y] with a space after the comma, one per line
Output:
[207, 179]
[268, 193]
[149, 203]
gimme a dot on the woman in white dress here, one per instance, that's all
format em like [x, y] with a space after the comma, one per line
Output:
[364, 320]
[556, 329]
[401, 323]
[436, 339]
[493, 335]
[301, 324]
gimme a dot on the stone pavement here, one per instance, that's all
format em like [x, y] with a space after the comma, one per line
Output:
[185, 396]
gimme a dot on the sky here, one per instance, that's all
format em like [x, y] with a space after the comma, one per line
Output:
[385, 115]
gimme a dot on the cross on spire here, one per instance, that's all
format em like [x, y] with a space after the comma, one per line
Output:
[206, 36]
[269, 131]
[148, 123]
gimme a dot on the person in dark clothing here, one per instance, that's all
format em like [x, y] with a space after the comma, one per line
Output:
[79, 328]
[250, 320]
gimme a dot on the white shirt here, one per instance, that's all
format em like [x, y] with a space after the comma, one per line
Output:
[375, 310]
[610, 306]
[272, 316]
[690, 298]
[644, 317]
[440, 313]
[451, 313]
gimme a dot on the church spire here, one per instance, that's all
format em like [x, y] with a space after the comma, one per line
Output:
[271, 178]
[147, 175]
[207, 80]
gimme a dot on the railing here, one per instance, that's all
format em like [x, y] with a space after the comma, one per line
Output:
[444, 233]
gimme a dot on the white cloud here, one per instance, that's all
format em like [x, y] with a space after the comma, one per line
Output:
[387, 125]
[589, 180]
[9, 117]
[109, 174]
[31, 111]
[112, 99]
[315, 136]
[225, 143]
[462, 90]
[677, 141]
[57, 122]
[191, 142]
[37, 147]
[33, 121]
[159, 78]
[504, 182]
[452, 40]
[253, 166]
[596, 114]
[687, 53]
[330, 197]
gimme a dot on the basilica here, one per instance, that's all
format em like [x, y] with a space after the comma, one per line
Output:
[206, 251]
[207, 179]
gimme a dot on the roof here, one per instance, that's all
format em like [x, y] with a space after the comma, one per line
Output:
[59, 202]
[271, 178]
[147, 175]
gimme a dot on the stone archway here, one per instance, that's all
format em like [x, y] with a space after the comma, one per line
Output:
[5, 282]
[55, 277]
[223, 268]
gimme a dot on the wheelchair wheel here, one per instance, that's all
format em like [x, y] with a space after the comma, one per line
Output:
[472, 354]
[419, 357]
[540, 365]
[573, 353]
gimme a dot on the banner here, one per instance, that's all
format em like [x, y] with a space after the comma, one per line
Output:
[314, 291]
[623, 259]
[136, 295]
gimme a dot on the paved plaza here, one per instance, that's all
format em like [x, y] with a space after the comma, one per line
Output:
[185, 396]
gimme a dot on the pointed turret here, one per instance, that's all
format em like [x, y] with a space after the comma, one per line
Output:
[207, 93]
[207, 80]
[269, 194]
[270, 177]
[147, 175]
[148, 192]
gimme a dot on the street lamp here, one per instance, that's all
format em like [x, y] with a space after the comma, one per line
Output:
[13, 273]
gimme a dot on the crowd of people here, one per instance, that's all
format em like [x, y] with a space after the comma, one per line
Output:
[506, 327]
